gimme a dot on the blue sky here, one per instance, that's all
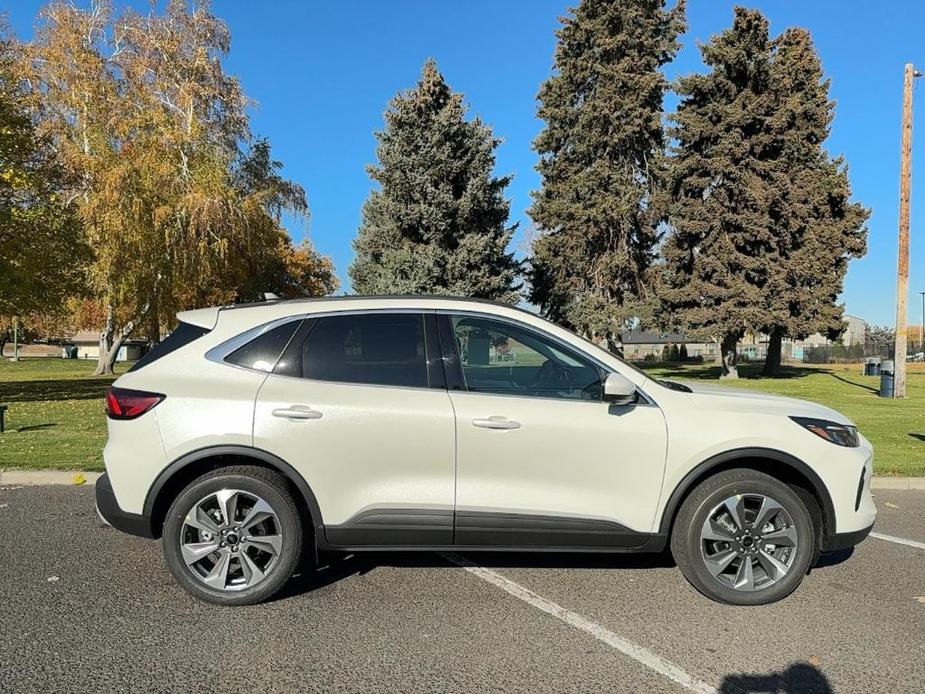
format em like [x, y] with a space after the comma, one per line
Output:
[323, 72]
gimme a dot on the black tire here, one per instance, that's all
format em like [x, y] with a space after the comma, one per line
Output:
[267, 485]
[686, 535]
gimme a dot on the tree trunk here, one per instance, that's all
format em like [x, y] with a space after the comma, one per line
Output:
[728, 349]
[103, 363]
[614, 346]
[111, 341]
[719, 351]
[772, 360]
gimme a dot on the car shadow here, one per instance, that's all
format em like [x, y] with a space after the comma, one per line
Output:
[335, 567]
[827, 559]
[799, 678]
[920, 437]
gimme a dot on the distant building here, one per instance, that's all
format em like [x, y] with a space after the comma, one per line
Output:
[638, 344]
[855, 331]
[88, 347]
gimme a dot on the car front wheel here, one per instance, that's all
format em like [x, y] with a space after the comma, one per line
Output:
[234, 536]
[743, 538]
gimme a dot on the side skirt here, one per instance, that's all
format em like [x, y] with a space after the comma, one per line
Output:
[440, 530]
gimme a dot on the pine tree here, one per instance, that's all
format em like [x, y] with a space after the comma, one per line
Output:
[601, 156]
[820, 230]
[722, 244]
[438, 223]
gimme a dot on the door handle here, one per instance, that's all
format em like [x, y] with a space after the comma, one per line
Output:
[297, 412]
[496, 423]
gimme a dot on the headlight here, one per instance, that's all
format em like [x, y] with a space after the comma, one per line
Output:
[839, 434]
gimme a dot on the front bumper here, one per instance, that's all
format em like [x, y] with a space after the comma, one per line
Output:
[109, 511]
[841, 541]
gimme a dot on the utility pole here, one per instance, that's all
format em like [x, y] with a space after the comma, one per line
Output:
[902, 278]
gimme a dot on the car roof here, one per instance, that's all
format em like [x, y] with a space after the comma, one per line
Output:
[369, 297]
[277, 308]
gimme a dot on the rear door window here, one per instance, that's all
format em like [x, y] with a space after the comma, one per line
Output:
[385, 349]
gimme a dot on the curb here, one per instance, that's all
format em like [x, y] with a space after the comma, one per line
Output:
[917, 483]
[72, 477]
[37, 477]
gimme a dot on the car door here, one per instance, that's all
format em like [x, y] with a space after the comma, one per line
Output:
[358, 405]
[542, 460]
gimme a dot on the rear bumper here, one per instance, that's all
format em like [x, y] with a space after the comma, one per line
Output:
[108, 509]
[845, 540]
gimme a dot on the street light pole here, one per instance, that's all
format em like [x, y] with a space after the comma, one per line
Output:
[902, 269]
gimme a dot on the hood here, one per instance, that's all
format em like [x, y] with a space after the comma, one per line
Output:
[723, 398]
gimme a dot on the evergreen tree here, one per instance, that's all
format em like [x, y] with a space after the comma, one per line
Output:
[438, 223]
[820, 230]
[601, 160]
[722, 244]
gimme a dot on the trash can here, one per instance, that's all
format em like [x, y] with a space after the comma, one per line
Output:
[886, 379]
[872, 366]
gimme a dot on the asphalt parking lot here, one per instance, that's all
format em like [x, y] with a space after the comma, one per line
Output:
[85, 608]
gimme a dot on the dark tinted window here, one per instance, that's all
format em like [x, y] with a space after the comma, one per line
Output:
[376, 348]
[499, 357]
[182, 335]
[263, 351]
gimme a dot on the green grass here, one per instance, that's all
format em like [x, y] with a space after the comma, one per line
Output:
[56, 415]
[895, 427]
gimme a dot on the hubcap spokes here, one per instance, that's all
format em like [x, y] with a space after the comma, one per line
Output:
[748, 542]
[231, 539]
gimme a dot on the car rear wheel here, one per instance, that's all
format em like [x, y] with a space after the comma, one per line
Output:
[234, 536]
[743, 538]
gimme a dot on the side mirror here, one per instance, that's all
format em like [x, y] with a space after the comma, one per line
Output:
[619, 390]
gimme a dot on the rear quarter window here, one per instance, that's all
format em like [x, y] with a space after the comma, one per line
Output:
[263, 351]
[183, 334]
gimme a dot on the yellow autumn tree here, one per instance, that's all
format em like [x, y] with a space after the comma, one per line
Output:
[156, 135]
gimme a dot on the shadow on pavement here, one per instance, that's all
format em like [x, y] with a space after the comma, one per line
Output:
[800, 678]
[833, 558]
[334, 567]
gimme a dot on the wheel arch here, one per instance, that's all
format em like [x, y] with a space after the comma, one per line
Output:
[783, 466]
[176, 476]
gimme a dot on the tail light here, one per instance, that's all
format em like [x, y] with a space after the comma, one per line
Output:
[122, 403]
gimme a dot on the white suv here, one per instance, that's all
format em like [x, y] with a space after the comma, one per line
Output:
[255, 432]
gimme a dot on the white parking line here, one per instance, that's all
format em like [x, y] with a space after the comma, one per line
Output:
[638, 653]
[899, 540]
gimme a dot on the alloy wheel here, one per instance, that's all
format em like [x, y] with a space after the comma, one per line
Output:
[231, 540]
[748, 542]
